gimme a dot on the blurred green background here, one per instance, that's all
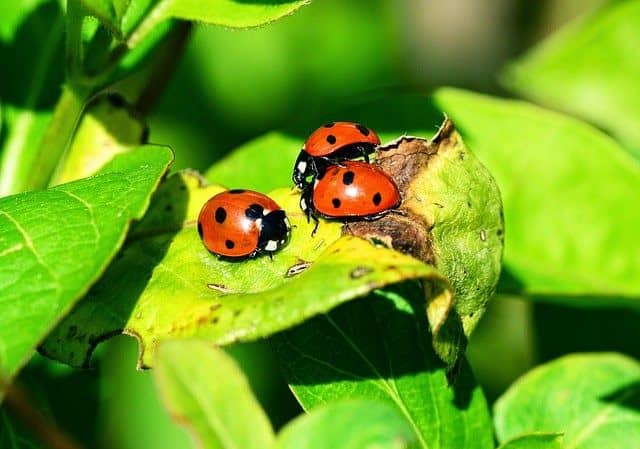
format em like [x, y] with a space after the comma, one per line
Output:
[233, 85]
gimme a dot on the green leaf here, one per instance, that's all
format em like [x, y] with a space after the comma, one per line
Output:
[593, 399]
[261, 169]
[357, 424]
[166, 284]
[379, 348]
[535, 441]
[567, 191]
[590, 69]
[34, 44]
[57, 242]
[135, 19]
[108, 128]
[206, 392]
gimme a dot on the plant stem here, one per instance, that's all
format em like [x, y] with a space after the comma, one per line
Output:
[56, 139]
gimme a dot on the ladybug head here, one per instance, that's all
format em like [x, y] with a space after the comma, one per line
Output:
[274, 231]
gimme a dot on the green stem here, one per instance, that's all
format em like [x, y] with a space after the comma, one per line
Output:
[56, 139]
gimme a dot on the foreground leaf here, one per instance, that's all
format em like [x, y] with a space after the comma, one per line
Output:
[206, 392]
[590, 69]
[165, 284]
[557, 176]
[535, 441]
[56, 243]
[354, 424]
[592, 399]
[379, 348]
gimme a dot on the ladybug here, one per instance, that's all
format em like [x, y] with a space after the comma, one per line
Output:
[242, 223]
[333, 143]
[351, 190]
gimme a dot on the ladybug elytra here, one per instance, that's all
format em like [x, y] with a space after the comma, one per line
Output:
[242, 223]
[332, 143]
[350, 190]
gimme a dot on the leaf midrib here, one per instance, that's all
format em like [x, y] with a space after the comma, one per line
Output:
[390, 388]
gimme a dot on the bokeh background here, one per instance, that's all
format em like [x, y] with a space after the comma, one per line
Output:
[233, 85]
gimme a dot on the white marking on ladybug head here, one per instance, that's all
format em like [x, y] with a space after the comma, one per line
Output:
[265, 212]
[258, 222]
[286, 222]
[272, 245]
[302, 166]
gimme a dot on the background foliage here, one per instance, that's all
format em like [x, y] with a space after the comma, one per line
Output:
[570, 280]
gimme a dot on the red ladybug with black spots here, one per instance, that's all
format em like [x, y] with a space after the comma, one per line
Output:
[330, 144]
[350, 190]
[240, 224]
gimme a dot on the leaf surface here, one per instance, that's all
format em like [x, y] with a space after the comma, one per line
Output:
[206, 392]
[378, 348]
[356, 424]
[593, 399]
[166, 284]
[590, 68]
[557, 176]
[535, 441]
[55, 243]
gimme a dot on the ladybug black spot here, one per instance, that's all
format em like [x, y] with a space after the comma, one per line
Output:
[336, 203]
[331, 139]
[347, 178]
[329, 125]
[363, 129]
[200, 229]
[236, 191]
[377, 198]
[229, 244]
[221, 215]
[254, 211]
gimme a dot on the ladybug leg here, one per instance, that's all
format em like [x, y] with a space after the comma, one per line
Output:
[398, 212]
[365, 154]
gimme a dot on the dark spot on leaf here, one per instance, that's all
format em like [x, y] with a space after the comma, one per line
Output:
[358, 272]
[461, 155]
[297, 269]
[469, 204]
[73, 330]
[229, 244]
[471, 315]
[214, 320]
[144, 137]
[363, 129]
[377, 198]
[331, 139]
[219, 288]
[116, 100]
[214, 307]
[221, 215]
[336, 203]
[236, 313]
[183, 187]
[347, 178]
[168, 208]
[499, 232]
[236, 191]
